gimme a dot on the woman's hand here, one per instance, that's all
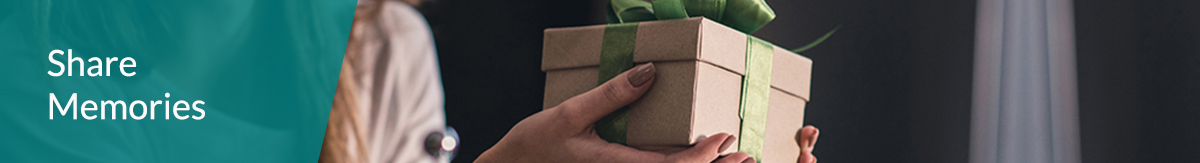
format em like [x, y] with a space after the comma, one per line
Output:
[565, 134]
[807, 139]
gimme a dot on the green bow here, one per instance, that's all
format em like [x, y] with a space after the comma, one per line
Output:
[744, 15]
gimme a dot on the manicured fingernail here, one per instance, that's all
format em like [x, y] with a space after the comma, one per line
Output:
[749, 160]
[641, 74]
[813, 141]
[728, 142]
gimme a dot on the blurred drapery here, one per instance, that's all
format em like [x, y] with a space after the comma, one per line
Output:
[1025, 107]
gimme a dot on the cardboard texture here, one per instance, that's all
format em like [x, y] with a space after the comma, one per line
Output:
[698, 88]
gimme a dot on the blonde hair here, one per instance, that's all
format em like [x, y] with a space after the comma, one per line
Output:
[343, 142]
[342, 131]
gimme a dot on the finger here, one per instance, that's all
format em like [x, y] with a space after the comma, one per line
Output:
[612, 152]
[740, 157]
[663, 148]
[706, 150]
[807, 139]
[807, 158]
[619, 91]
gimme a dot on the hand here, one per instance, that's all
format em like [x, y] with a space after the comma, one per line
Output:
[807, 139]
[564, 133]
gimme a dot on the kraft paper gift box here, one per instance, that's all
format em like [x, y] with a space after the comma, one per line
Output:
[699, 85]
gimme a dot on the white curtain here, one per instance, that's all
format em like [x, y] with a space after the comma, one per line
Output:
[1024, 102]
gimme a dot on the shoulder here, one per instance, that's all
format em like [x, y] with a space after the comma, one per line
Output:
[398, 18]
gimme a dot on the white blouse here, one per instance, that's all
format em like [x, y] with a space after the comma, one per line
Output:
[400, 88]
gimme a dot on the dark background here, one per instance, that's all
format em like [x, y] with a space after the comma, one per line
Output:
[1139, 80]
[893, 85]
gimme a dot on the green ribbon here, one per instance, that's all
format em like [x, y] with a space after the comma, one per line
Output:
[756, 87]
[616, 56]
[744, 15]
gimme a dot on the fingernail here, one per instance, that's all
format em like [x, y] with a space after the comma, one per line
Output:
[641, 74]
[749, 160]
[728, 142]
[813, 142]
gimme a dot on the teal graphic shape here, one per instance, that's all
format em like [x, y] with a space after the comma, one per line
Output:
[266, 71]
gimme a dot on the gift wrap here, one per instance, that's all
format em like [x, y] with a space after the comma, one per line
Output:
[711, 79]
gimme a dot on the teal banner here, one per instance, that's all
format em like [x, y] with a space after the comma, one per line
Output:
[168, 81]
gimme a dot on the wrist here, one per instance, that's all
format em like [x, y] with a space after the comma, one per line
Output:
[487, 157]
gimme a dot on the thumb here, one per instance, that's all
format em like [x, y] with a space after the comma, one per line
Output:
[706, 150]
[619, 91]
[740, 157]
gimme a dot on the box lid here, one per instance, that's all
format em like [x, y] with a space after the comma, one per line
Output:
[691, 39]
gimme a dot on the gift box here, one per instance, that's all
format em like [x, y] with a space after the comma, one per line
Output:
[711, 79]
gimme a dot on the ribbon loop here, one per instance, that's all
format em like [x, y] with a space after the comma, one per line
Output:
[744, 15]
[669, 9]
[624, 11]
[712, 9]
[747, 15]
